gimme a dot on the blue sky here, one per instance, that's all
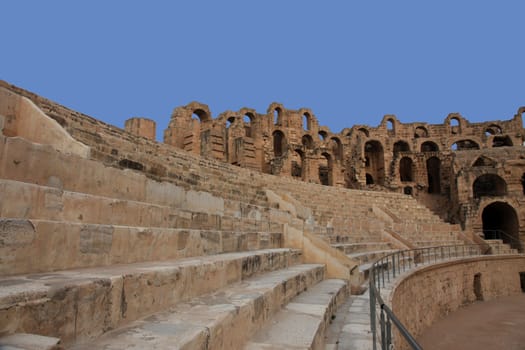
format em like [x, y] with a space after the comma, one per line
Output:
[351, 62]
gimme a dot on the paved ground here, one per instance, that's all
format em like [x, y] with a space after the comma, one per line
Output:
[496, 324]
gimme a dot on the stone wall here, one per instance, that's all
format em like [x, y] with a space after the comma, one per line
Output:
[432, 292]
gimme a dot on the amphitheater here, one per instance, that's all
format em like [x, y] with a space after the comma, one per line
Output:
[248, 230]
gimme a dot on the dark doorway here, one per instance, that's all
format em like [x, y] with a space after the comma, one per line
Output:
[478, 291]
[522, 281]
[500, 221]
[434, 175]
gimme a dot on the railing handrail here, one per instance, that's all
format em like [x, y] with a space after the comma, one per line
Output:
[375, 295]
[508, 235]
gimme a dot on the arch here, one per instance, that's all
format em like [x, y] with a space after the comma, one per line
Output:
[325, 169]
[405, 169]
[201, 115]
[297, 164]
[279, 143]
[501, 141]
[498, 217]
[364, 132]
[464, 145]
[489, 185]
[455, 125]
[420, 132]
[323, 135]
[229, 122]
[434, 175]
[401, 146]
[247, 120]
[390, 126]
[337, 148]
[307, 141]
[277, 116]
[493, 129]
[429, 146]
[369, 179]
[482, 161]
[376, 165]
[307, 121]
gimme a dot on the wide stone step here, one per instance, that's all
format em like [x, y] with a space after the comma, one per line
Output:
[362, 247]
[222, 320]
[302, 323]
[82, 304]
[364, 257]
[59, 245]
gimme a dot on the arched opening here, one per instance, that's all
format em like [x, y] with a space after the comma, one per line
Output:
[278, 143]
[429, 146]
[405, 169]
[277, 116]
[337, 148]
[200, 115]
[493, 130]
[489, 185]
[390, 125]
[420, 132]
[464, 145]
[247, 119]
[401, 146]
[325, 170]
[501, 141]
[500, 221]
[297, 164]
[407, 190]
[307, 142]
[323, 135]
[376, 163]
[363, 132]
[369, 179]
[306, 121]
[523, 183]
[434, 175]
[454, 126]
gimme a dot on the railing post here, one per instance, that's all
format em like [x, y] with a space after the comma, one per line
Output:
[393, 266]
[373, 310]
[382, 324]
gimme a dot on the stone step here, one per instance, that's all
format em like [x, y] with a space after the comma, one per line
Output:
[222, 320]
[351, 248]
[84, 303]
[25, 341]
[33, 201]
[58, 245]
[302, 323]
[370, 256]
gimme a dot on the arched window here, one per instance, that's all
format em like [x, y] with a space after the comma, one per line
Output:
[337, 148]
[489, 185]
[390, 125]
[369, 179]
[323, 135]
[429, 146]
[420, 132]
[501, 141]
[374, 153]
[306, 121]
[278, 143]
[277, 116]
[325, 170]
[307, 142]
[297, 164]
[248, 124]
[434, 175]
[401, 146]
[405, 169]
[484, 161]
[363, 132]
[464, 145]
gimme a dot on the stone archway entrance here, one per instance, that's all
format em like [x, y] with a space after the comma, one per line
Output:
[500, 216]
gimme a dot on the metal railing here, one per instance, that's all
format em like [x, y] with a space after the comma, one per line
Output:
[392, 265]
[514, 242]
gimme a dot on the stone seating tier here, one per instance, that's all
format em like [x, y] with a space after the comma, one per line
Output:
[81, 304]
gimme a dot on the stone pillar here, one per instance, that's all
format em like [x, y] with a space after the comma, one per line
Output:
[141, 127]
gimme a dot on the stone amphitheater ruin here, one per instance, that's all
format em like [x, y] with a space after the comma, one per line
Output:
[247, 230]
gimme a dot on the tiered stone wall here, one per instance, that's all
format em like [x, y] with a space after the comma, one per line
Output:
[432, 292]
